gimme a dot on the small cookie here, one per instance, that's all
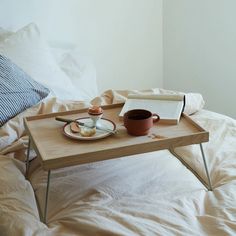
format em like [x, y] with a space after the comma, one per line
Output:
[74, 127]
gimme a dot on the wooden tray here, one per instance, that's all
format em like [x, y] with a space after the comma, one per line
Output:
[56, 150]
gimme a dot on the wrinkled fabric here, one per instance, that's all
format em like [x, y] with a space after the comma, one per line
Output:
[146, 194]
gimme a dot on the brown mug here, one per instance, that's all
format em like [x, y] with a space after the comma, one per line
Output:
[139, 121]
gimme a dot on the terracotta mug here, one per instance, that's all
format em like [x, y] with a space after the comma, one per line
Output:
[139, 121]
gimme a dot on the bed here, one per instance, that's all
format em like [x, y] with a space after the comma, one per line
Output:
[149, 194]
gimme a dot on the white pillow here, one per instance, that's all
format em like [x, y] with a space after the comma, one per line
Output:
[77, 67]
[4, 33]
[81, 72]
[29, 50]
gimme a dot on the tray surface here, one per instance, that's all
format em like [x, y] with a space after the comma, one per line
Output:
[56, 150]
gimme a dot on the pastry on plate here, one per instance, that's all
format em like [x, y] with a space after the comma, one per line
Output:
[74, 127]
[87, 132]
[84, 131]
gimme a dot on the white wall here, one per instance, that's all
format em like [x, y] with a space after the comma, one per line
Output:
[123, 37]
[200, 50]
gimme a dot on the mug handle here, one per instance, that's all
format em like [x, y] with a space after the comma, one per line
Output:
[155, 117]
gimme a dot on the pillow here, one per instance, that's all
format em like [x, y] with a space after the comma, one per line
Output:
[28, 50]
[77, 67]
[17, 90]
[81, 72]
[4, 33]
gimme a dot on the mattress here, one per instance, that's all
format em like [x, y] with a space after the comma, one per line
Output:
[145, 194]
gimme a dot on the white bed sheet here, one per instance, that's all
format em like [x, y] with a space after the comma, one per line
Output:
[148, 194]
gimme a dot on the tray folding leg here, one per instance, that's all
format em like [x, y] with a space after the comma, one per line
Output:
[207, 185]
[206, 169]
[46, 198]
[27, 163]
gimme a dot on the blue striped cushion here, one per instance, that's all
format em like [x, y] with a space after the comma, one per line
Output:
[18, 91]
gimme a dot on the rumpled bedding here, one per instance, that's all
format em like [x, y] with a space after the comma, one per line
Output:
[146, 194]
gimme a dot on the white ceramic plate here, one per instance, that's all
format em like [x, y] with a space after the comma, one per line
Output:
[104, 123]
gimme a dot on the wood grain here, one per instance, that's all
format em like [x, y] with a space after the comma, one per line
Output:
[55, 150]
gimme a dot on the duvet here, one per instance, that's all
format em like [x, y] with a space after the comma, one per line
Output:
[150, 194]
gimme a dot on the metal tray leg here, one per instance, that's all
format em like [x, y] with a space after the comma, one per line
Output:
[27, 163]
[205, 165]
[46, 199]
[207, 185]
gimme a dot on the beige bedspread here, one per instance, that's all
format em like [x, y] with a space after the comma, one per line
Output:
[147, 194]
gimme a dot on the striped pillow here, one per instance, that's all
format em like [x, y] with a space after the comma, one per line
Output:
[18, 91]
